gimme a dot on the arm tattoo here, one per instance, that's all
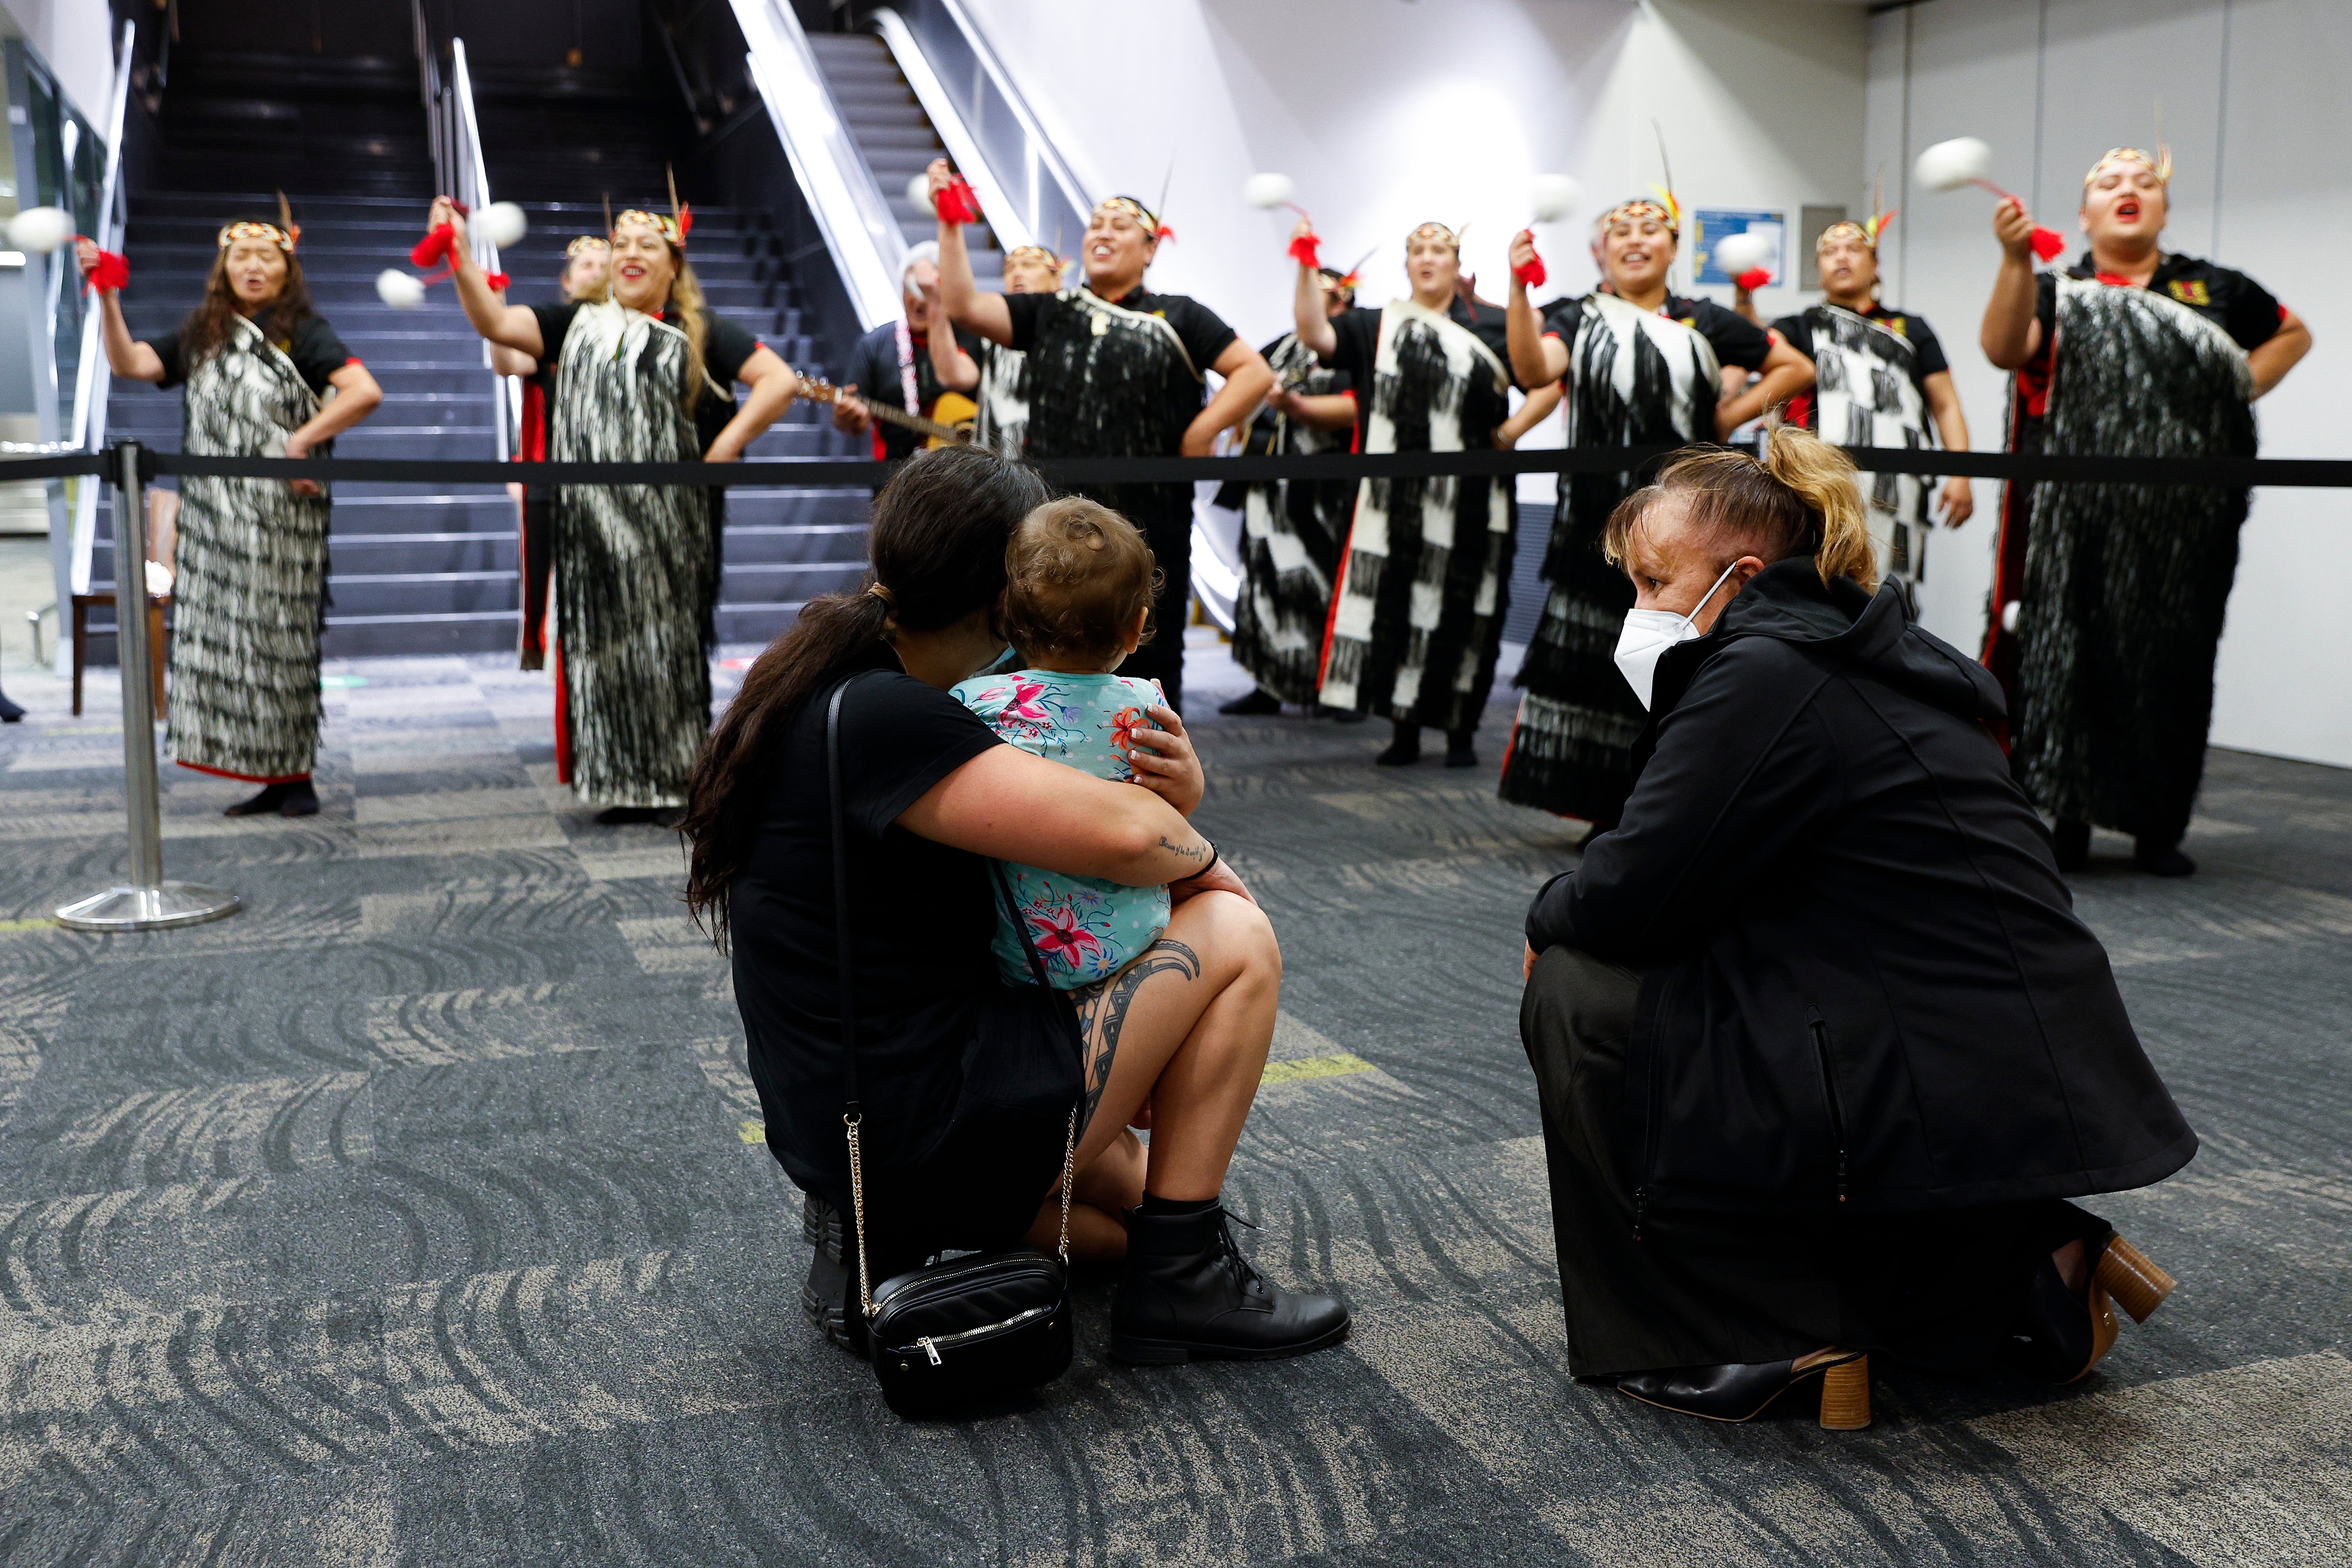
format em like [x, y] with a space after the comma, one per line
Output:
[1102, 1009]
[1199, 853]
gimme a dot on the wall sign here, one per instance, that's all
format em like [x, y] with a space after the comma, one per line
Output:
[1711, 224]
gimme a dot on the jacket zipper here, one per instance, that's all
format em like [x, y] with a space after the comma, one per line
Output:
[1821, 1032]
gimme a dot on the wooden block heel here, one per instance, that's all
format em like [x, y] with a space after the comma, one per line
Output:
[2137, 1285]
[1845, 1396]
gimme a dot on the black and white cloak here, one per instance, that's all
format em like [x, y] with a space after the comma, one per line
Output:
[2109, 598]
[1002, 423]
[1866, 393]
[1635, 378]
[1417, 616]
[1290, 537]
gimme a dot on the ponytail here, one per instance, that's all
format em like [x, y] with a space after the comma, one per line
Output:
[1800, 500]
[1823, 478]
[937, 544]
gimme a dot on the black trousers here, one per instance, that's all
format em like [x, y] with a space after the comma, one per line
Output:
[1943, 1289]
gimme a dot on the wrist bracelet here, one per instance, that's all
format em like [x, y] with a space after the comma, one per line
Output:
[1205, 870]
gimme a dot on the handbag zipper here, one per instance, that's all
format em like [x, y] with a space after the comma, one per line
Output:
[931, 1342]
[1821, 1032]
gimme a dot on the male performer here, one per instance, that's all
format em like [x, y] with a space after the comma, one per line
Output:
[893, 365]
[1292, 532]
[1640, 367]
[997, 378]
[582, 276]
[1119, 371]
[1879, 373]
[2108, 599]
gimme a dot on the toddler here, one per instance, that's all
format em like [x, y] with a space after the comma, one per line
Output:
[1078, 590]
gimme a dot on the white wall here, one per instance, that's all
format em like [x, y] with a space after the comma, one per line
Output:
[2255, 109]
[72, 37]
[1389, 113]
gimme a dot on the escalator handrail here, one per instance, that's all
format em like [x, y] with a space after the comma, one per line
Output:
[91, 381]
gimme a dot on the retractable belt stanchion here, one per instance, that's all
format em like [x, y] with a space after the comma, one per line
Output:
[147, 902]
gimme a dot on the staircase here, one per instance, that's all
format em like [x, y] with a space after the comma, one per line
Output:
[433, 568]
[896, 138]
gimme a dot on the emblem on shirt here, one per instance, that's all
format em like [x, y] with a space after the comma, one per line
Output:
[1691, 322]
[2190, 290]
[1895, 325]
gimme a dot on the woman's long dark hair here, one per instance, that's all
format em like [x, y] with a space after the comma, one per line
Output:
[211, 324]
[937, 547]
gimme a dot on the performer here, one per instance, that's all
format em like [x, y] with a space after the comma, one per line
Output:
[1433, 374]
[1117, 371]
[642, 374]
[1640, 367]
[2109, 598]
[580, 277]
[895, 366]
[264, 376]
[1879, 373]
[994, 376]
[1292, 532]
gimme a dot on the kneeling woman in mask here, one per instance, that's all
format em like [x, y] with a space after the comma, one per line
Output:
[1823, 1049]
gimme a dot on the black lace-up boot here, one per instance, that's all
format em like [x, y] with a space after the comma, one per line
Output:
[1187, 1293]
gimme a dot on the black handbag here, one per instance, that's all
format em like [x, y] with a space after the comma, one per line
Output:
[974, 1327]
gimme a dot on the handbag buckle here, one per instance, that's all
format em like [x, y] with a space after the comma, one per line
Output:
[930, 1349]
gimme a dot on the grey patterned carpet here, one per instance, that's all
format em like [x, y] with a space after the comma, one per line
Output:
[417, 1214]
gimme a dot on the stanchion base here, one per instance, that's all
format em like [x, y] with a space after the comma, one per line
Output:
[149, 909]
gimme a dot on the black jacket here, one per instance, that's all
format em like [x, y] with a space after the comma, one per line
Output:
[1865, 977]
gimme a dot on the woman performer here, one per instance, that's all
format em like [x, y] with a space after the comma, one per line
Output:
[968, 1086]
[250, 569]
[1434, 377]
[994, 376]
[1117, 372]
[1641, 366]
[642, 374]
[581, 275]
[2110, 598]
[1292, 532]
[1879, 374]
[1821, 1047]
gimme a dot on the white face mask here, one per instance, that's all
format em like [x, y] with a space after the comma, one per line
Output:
[1649, 633]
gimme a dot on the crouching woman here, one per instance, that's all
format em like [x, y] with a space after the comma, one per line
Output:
[1821, 1048]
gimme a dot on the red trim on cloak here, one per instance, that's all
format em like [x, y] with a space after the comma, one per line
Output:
[562, 718]
[246, 778]
[1339, 585]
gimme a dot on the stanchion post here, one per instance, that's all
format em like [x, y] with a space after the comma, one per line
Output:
[147, 902]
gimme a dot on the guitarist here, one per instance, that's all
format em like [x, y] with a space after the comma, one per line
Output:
[1117, 371]
[892, 364]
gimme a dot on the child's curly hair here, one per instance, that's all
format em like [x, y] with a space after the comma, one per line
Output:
[1076, 574]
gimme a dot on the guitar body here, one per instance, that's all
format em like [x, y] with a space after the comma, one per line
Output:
[957, 411]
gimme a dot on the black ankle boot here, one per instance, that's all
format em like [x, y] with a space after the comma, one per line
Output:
[271, 799]
[1187, 1293]
[1741, 1392]
[300, 800]
[2073, 843]
[1459, 753]
[1257, 704]
[829, 1295]
[1404, 746]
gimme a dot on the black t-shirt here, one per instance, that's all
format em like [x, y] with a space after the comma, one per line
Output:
[1202, 333]
[1357, 330]
[874, 372]
[1737, 341]
[314, 348]
[725, 348]
[1927, 350]
[920, 911]
[2233, 302]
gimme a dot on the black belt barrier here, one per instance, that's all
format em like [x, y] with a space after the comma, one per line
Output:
[837, 472]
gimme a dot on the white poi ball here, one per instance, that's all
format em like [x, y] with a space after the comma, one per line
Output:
[1552, 196]
[1948, 165]
[1267, 190]
[502, 224]
[40, 230]
[1742, 252]
[918, 191]
[399, 290]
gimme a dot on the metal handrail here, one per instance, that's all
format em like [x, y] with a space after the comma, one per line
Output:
[1029, 194]
[91, 381]
[850, 211]
[458, 171]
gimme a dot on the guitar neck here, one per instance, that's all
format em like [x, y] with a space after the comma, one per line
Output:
[915, 422]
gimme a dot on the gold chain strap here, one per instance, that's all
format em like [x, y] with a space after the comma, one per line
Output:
[1069, 1169]
[858, 1202]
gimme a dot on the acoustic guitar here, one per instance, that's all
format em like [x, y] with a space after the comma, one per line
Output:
[955, 415]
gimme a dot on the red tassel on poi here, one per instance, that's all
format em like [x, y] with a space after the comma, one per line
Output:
[957, 203]
[435, 247]
[111, 273]
[1533, 274]
[496, 281]
[1755, 277]
[2047, 243]
[1306, 250]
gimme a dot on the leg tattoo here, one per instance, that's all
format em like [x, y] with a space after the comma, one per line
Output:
[1102, 1009]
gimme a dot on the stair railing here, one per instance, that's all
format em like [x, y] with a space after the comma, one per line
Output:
[859, 231]
[456, 137]
[1026, 191]
[91, 380]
